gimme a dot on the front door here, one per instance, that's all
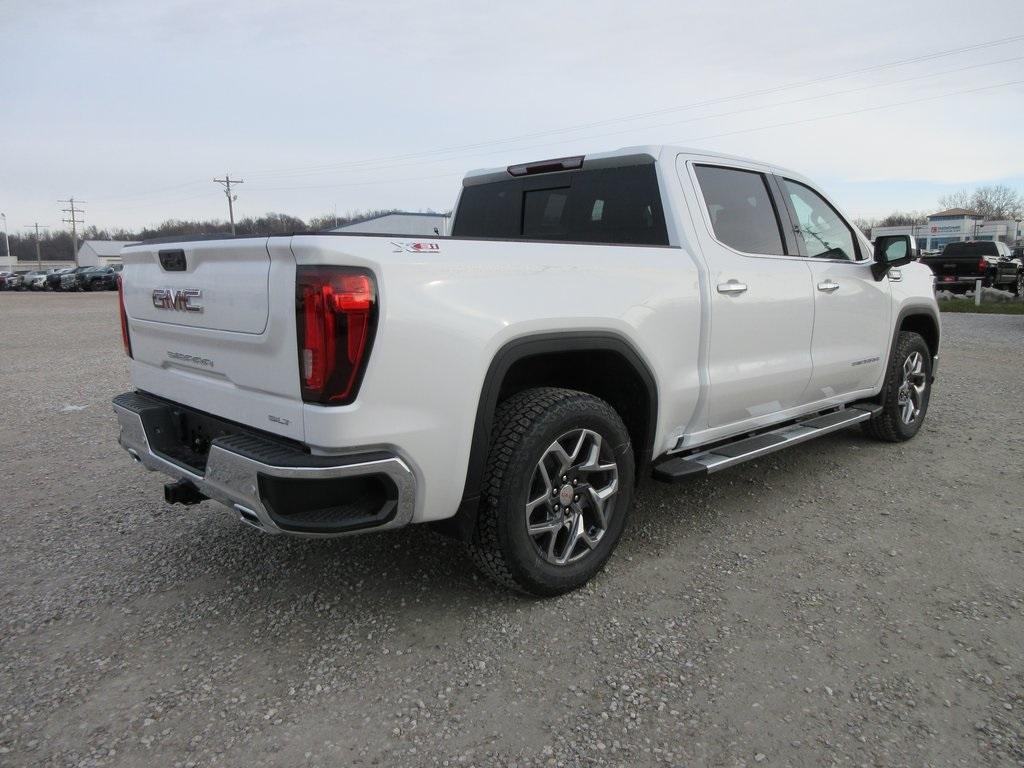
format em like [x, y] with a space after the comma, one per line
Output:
[852, 323]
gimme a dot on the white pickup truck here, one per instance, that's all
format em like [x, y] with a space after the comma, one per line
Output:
[590, 320]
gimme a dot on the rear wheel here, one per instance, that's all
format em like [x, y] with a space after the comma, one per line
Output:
[557, 491]
[1018, 285]
[906, 392]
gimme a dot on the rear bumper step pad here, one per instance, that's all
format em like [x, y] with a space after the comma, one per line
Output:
[272, 486]
[678, 468]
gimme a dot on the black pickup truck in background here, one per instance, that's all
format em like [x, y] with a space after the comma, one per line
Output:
[961, 264]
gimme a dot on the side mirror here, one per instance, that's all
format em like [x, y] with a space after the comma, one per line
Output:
[891, 251]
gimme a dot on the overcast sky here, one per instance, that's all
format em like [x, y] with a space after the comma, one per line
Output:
[135, 106]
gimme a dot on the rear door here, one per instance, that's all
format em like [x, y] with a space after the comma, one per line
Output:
[762, 303]
[851, 309]
[212, 326]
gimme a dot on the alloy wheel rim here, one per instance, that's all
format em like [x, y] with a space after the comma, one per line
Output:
[910, 396]
[570, 502]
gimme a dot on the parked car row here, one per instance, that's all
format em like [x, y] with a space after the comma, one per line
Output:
[68, 279]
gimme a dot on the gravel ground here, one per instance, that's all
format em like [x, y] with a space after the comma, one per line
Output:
[843, 602]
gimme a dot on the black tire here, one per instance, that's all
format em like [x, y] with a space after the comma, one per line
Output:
[891, 425]
[1018, 285]
[526, 427]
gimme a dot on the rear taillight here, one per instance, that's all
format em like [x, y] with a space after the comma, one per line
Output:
[982, 264]
[125, 338]
[336, 317]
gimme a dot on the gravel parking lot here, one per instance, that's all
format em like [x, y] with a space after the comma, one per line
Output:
[844, 602]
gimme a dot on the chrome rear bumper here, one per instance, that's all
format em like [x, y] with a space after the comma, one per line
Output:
[239, 468]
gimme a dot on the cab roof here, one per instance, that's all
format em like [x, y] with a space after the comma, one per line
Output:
[636, 155]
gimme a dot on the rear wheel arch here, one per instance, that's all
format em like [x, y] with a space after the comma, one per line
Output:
[603, 364]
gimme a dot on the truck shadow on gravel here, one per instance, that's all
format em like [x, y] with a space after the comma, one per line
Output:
[417, 564]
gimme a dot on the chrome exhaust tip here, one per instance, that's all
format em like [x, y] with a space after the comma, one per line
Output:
[249, 517]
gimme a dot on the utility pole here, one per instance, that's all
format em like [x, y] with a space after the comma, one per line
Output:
[39, 258]
[74, 221]
[7, 244]
[226, 182]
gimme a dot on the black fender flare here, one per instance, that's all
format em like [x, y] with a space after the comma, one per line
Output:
[914, 310]
[517, 349]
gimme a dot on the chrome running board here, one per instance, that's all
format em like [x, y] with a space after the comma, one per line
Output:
[678, 468]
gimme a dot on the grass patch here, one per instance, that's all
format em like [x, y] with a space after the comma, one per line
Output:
[985, 308]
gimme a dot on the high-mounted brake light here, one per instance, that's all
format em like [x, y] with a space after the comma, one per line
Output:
[336, 317]
[126, 339]
[547, 166]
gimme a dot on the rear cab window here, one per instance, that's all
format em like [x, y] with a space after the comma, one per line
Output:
[613, 205]
[975, 249]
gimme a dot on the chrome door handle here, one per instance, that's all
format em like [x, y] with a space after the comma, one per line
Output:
[732, 288]
[828, 286]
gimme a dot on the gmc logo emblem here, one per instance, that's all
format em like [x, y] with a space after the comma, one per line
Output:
[180, 300]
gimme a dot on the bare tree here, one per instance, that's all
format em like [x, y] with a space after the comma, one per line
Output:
[959, 199]
[865, 225]
[997, 202]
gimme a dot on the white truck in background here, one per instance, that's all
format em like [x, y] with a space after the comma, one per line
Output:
[590, 320]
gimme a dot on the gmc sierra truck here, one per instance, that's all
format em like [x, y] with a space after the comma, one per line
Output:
[589, 321]
[961, 265]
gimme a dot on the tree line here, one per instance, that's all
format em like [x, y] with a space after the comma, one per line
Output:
[995, 202]
[56, 246]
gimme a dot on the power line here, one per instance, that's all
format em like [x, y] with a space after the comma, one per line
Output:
[372, 163]
[172, 201]
[890, 105]
[74, 221]
[226, 182]
[146, 193]
[625, 118]
[859, 111]
[802, 99]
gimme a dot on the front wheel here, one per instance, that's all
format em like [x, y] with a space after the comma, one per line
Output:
[557, 491]
[907, 391]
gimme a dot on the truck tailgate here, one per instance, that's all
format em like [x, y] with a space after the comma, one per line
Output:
[232, 276]
[203, 332]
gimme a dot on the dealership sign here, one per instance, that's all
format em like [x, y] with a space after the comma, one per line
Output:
[946, 229]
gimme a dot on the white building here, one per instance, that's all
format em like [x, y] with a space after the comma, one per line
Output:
[101, 253]
[953, 226]
[402, 223]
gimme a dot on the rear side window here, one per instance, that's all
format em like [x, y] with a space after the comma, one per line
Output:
[741, 209]
[605, 205]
